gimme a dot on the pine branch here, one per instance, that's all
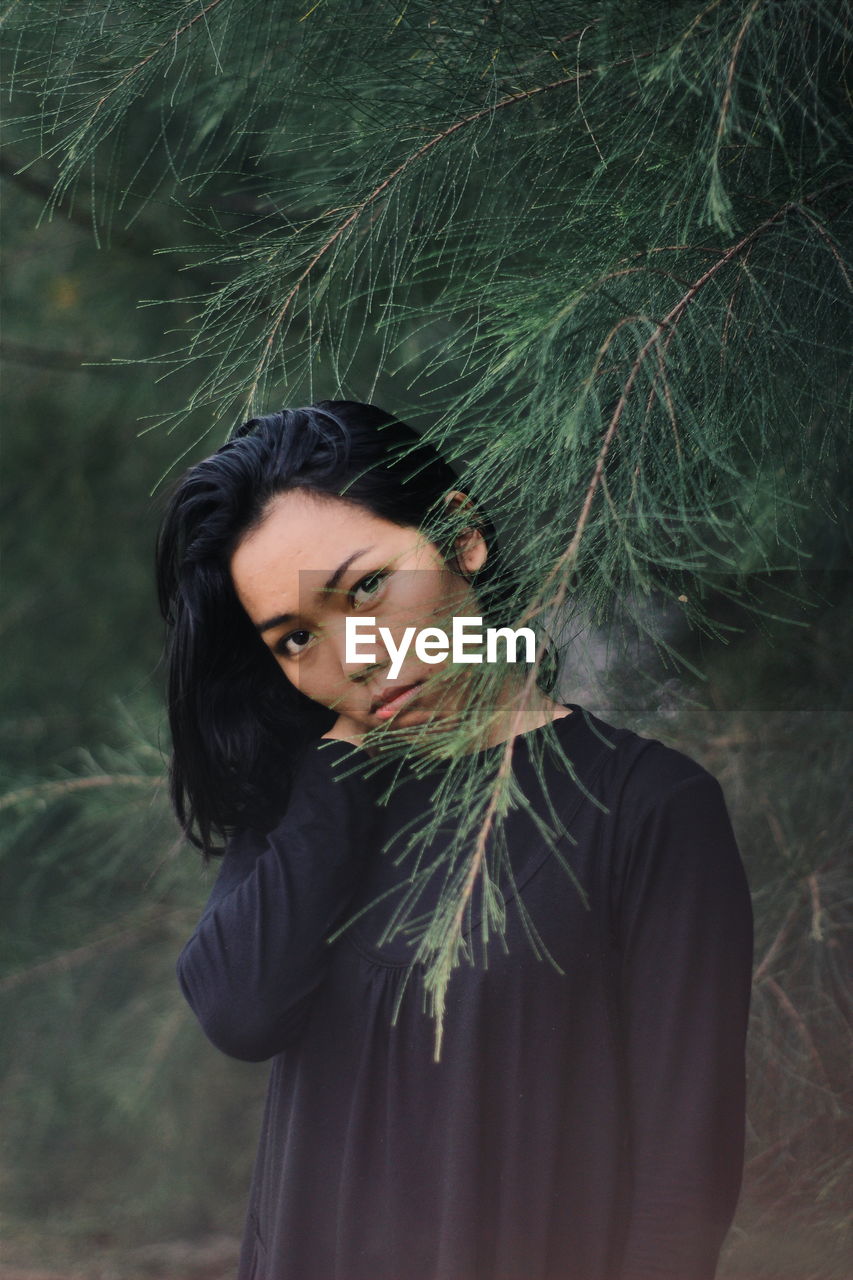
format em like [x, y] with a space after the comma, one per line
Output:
[668, 323]
[171, 40]
[566, 561]
[511, 100]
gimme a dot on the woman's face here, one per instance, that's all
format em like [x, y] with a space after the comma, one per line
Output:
[315, 561]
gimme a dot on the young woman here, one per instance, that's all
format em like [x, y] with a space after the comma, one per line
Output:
[585, 1118]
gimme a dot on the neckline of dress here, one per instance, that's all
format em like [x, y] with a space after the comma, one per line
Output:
[529, 734]
[395, 953]
[525, 739]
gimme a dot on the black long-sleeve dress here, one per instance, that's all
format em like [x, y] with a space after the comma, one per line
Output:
[582, 1124]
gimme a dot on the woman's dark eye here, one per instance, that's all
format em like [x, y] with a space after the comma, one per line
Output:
[369, 586]
[294, 643]
[367, 589]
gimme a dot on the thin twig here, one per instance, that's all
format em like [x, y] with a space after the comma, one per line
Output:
[660, 373]
[817, 933]
[38, 358]
[703, 13]
[796, 1018]
[580, 104]
[730, 76]
[776, 945]
[454, 932]
[776, 831]
[821, 230]
[782, 1145]
[48, 790]
[173, 38]
[107, 943]
[169, 1029]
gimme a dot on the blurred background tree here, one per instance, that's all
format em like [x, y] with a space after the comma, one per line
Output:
[600, 255]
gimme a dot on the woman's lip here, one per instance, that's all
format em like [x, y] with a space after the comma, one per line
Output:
[388, 708]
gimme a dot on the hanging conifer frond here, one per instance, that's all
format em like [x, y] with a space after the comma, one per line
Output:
[600, 254]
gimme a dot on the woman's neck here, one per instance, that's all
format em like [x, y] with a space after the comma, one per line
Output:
[518, 711]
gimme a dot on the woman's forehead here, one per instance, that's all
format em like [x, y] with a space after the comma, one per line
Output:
[309, 524]
[302, 539]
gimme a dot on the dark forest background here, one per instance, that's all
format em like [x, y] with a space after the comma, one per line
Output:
[162, 202]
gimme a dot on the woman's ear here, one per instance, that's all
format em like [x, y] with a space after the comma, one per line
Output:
[469, 546]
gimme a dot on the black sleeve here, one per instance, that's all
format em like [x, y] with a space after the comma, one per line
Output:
[685, 928]
[259, 952]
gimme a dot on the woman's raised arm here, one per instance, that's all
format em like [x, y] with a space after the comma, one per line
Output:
[259, 951]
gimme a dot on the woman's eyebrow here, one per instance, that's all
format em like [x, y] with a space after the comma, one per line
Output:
[330, 585]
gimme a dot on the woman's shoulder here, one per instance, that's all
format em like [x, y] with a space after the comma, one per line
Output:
[667, 821]
[639, 770]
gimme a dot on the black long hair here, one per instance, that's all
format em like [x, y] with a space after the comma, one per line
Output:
[237, 723]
